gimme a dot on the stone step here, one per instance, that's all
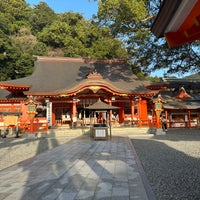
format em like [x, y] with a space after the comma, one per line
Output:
[87, 130]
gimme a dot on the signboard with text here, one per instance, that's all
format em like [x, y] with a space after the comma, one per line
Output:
[48, 113]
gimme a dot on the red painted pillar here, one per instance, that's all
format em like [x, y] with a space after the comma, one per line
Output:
[142, 112]
[132, 109]
[110, 112]
[74, 111]
[31, 126]
[189, 119]
[139, 112]
[158, 123]
[166, 117]
[12, 107]
[121, 112]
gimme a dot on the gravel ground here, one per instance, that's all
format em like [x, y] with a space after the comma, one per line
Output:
[171, 163]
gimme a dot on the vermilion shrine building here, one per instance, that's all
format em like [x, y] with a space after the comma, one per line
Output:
[64, 87]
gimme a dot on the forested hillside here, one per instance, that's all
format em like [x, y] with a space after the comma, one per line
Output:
[26, 32]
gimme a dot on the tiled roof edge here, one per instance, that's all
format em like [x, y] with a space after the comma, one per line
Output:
[83, 60]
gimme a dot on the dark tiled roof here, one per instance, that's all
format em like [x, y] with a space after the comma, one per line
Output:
[173, 102]
[4, 94]
[182, 105]
[64, 74]
[100, 105]
[188, 85]
[173, 96]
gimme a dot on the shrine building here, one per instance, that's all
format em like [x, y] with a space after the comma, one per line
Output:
[64, 87]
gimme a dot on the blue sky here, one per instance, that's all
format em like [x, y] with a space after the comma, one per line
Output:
[85, 7]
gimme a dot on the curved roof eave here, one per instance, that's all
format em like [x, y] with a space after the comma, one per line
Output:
[14, 87]
[94, 86]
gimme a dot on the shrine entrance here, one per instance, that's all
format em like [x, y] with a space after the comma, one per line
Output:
[62, 116]
[61, 113]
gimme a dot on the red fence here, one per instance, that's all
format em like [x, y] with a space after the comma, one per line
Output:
[39, 125]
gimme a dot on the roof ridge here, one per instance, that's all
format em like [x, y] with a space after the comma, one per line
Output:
[84, 60]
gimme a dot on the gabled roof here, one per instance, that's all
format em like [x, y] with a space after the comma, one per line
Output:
[178, 98]
[56, 76]
[100, 105]
[182, 105]
[178, 21]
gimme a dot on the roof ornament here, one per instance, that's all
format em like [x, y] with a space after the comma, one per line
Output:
[94, 75]
[183, 94]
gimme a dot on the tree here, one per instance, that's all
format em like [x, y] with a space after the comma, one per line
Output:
[8, 56]
[29, 31]
[15, 13]
[41, 16]
[78, 37]
[130, 20]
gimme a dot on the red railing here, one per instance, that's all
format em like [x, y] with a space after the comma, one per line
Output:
[39, 125]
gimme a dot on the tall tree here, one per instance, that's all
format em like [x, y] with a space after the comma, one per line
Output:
[41, 16]
[130, 20]
[78, 37]
[16, 13]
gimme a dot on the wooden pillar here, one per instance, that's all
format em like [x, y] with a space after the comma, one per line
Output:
[166, 117]
[12, 107]
[139, 108]
[158, 120]
[189, 119]
[121, 112]
[132, 109]
[31, 126]
[170, 119]
[74, 111]
[152, 119]
[110, 112]
[142, 112]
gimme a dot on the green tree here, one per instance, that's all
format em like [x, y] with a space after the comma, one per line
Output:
[121, 16]
[41, 16]
[15, 13]
[55, 34]
[131, 20]
[29, 31]
[28, 43]
[78, 37]
[8, 55]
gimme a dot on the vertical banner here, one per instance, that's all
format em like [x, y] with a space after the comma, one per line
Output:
[49, 113]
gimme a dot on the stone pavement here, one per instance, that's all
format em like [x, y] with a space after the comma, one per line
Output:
[79, 169]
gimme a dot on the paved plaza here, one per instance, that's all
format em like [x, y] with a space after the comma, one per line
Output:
[82, 168]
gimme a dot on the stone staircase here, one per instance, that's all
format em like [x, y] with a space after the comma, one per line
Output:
[118, 131]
